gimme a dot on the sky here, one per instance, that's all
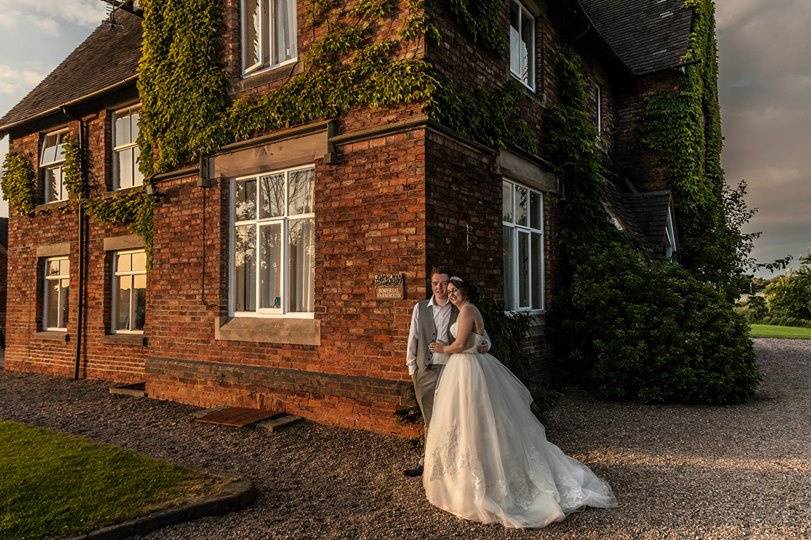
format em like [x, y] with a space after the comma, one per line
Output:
[765, 89]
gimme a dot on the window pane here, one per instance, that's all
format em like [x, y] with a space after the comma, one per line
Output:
[521, 205]
[301, 192]
[64, 267]
[137, 175]
[527, 49]
[301, 264]
[122, 302]
[537, 269]
[139, 261]
[515, 38]
[138, 302]
[253, 32]
[135, 116]
[507, 202]
[270, 258]
[123, 134]
[508, 256]
[52, 303]
[245, 200]
[123, 168]
[285, 30]
[60, 146]
[523, 269]
[64, 302]
[245, 268]
[52, 187]
[535, 210]
[53, 268]
[123, 262]
[271, 193]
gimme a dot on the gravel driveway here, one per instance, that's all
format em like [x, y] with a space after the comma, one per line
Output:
[679, 472]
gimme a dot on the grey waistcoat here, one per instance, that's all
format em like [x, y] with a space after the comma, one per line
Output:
[427, 331]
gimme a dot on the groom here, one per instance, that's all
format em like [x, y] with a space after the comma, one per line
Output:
[431, 320]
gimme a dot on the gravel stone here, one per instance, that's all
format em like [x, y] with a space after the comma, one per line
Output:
[678, 471]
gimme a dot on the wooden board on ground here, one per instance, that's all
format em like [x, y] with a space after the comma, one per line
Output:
[234, 416]
[135, 389]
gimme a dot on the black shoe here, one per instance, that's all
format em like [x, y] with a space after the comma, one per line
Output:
[416, 471]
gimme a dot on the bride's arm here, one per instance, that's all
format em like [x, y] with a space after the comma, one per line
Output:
[464, 326]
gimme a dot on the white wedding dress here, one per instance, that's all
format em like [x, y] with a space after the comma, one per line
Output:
[487, 458]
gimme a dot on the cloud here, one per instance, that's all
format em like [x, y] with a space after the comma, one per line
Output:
[48, 15]
[13, 81]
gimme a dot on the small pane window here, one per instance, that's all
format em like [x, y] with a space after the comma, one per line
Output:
[522, 44]
[269, 33]
[56, 296]
[129, 292]
[274, 253]
[126, 154]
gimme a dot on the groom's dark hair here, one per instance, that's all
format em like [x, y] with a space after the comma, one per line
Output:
[439, 270]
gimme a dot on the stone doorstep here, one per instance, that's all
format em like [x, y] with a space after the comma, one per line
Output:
[134, 390]
[234, 495]
[281, 422]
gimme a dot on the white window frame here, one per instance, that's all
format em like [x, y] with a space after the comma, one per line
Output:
[670, 232]
[127, 111]
[598, 91]
[45, 322]
[55, 165]
[284, 310]
[526, 229]
[266, 38]
[116, 275]
[524, 12]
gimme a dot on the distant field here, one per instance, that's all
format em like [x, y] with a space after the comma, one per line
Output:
[786, 332]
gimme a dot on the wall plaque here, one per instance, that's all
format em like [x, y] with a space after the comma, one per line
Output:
[390, 286]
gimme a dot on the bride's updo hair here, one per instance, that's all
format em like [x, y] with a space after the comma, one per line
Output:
[467, 289]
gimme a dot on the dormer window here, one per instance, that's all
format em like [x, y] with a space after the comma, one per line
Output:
[269, 34]
[51, 161]
[126, 154]
[522, 44]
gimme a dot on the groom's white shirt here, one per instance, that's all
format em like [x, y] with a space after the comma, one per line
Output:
[442, 319]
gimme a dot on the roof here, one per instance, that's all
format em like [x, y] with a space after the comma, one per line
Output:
[106, 59]
[646, 35]
[641, 214]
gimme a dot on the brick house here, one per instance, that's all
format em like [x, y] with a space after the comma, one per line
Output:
[285, 266]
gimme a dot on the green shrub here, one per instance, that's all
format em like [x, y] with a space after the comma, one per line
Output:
[648, 330]
[756, 308]
[789, 296]
[785, 321]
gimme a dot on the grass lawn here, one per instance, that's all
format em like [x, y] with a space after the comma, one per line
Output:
[53, 484]
[788, 332]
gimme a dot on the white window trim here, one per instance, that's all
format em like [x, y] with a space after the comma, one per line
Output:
[266, 64]
[134, 143]
[263, 313]
[671, 234]
[114, 292]
[48, 278]
[523, 11]
[53, 166]
[528, 229]
[599, 96]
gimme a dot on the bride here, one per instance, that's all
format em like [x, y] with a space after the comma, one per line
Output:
[487, 458]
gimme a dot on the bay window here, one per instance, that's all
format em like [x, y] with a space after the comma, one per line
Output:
[523, 247]
[272, 256]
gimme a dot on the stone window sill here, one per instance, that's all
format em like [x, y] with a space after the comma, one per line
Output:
[268, 330]
[138, 340]
[250, 80]
[54, 205]
[51, 335]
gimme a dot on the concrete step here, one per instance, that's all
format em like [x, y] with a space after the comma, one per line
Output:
[133, 389]
[281, 422]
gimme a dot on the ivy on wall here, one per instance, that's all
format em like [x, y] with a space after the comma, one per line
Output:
[133, 208]
[72, 171]
[19, 182]
[683, 130]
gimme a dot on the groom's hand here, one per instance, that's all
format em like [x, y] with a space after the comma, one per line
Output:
[437, 346]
